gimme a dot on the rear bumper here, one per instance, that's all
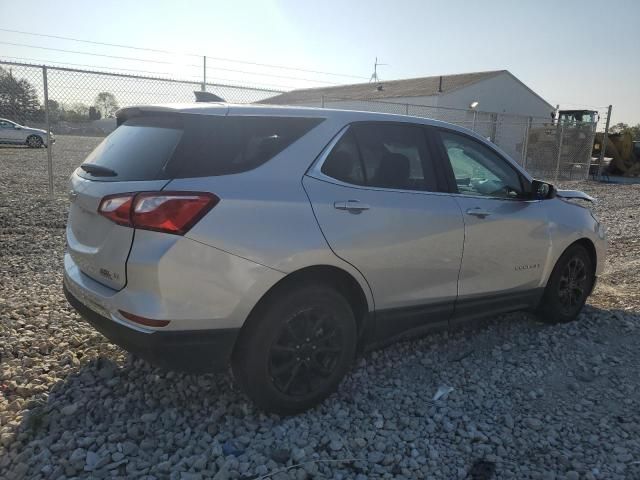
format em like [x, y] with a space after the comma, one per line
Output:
[190, 351]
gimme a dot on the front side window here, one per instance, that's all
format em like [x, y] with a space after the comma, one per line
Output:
[5, 124]
[383, 155]
[478, 170]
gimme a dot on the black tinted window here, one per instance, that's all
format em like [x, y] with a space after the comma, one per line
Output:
[383, 155]
[220, 146]
[395, 156]
[343, 163]
[138, 149]
[182, 146]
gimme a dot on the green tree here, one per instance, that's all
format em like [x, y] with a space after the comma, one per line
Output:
[77, 112]
[18, 98]
[624, 128]
[106, 104]
[55, 112]
[94, 114]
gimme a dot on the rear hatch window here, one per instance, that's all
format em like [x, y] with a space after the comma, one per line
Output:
[184, 146]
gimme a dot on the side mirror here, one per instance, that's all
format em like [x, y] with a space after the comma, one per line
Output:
[542, 190]
[17, 127]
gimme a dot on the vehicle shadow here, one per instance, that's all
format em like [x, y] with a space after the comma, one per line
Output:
[134, 416]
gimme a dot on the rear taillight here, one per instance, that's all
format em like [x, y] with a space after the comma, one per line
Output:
[169, 212]
[117, 208]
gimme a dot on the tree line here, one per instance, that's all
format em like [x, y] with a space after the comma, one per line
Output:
[19, 102]
[634, 130]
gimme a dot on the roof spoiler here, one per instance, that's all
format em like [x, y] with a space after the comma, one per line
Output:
[207, 97]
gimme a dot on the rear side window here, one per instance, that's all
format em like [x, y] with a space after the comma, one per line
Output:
[183, 146]
[383, 155]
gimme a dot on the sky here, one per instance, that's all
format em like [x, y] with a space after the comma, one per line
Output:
[576, 53]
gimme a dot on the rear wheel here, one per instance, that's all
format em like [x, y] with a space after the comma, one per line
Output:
[34, 141]
[295, 349]
[568, 287]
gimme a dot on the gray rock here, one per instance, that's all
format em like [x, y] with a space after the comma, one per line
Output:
[508, 421]
[117, 456]
[533, 423]
[335, 445]
[69, 410]
[298, 455]
[280, 455]
[573, 475]
[149, 417]
[375, 457]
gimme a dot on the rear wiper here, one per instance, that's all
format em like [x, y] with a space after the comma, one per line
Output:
[97, 170]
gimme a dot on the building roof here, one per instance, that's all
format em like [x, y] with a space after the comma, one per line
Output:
[411, 87]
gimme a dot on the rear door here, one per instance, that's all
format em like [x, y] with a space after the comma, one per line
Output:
[375, 195]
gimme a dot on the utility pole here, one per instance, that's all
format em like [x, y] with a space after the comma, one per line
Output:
[204, 73]
[603, 145]
[45, 86]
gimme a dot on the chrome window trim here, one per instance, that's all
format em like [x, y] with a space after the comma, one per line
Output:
[316, 167]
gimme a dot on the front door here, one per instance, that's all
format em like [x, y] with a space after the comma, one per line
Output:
[6, 131]
[507, 239]
[375, 195]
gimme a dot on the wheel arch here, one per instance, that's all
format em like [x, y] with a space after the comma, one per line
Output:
[589, 247]
[344, 282]
[584, 242]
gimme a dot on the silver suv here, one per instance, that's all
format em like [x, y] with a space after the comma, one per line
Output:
[282, 241]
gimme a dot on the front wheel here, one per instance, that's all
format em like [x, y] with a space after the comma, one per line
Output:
[34, 141]
[296, 348]
[568, 287]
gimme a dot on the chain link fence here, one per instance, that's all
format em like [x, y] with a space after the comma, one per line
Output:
[548, 149]
[81, 104]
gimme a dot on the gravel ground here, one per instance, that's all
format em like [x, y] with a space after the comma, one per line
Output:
[528, 401]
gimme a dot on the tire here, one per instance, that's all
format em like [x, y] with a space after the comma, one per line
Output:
[34, 141]
[568, 287]
[295, 348]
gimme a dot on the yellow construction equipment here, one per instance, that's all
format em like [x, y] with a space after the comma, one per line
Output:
[623, 151]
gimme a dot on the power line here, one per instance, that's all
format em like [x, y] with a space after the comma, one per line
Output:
[165, 62]
[92, 66]
[96, 54]
[269, 75]
[59, 37]
[181, 53]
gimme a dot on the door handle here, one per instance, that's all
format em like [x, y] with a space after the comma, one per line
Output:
[478, 212]
[351, 206]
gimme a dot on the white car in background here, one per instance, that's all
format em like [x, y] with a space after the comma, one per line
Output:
[14, 133]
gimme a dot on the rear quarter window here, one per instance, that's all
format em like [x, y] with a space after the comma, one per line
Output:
[183, 146]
